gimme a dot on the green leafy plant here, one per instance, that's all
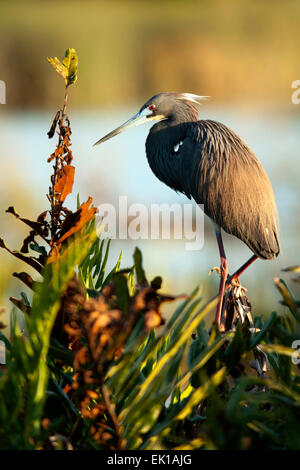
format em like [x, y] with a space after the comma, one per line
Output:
[68, 67]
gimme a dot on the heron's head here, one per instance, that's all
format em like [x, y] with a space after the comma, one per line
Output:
[178, 107]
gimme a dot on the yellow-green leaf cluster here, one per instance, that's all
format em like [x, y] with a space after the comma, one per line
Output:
[68, 67]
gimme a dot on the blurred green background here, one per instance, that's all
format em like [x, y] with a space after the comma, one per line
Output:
[245, 55]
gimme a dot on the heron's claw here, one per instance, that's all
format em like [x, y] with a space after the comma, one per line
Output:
[238, 289]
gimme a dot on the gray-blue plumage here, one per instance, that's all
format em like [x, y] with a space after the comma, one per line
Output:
[210, 163]
[216, 168]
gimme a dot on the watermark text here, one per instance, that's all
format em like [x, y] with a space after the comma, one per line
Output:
[157, 222]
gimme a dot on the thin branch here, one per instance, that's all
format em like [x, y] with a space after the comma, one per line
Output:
[65, 101]
[56, 207]
[113, 416]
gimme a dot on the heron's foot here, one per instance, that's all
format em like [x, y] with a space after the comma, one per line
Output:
[238, 289]
[216, 268]
[234, 282]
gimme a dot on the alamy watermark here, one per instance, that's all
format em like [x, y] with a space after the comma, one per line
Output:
[2, 353]
[2, 92]
[157, 222]
[296, 94]
[296, 354]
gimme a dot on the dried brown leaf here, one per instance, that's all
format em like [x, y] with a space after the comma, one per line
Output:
[53, 126]
[64, 185]
[39, 226]
[27, 259]
[24, 277]
[20, 304]
[83, 215]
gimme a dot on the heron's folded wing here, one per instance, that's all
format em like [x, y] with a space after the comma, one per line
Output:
[220, 171]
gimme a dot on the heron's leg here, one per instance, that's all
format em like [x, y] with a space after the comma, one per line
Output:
[224, 271]
[241, 269]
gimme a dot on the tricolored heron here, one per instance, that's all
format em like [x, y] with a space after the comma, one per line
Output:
[210, 163]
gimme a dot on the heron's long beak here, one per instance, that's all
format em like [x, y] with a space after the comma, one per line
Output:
[140, 118]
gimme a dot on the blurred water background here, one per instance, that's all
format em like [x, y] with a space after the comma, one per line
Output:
[243, 54]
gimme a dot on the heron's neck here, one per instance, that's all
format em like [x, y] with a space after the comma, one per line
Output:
[163, 160]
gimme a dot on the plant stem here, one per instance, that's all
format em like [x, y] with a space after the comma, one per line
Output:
[65, 101]
[55, 208]
[112, 415]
